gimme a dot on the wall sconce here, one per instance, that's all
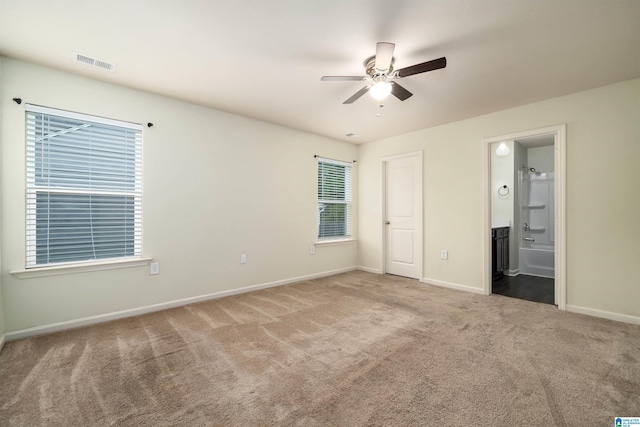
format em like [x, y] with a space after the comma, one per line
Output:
[502, 149]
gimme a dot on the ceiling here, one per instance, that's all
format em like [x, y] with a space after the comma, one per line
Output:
[537, 141]
[264, 58]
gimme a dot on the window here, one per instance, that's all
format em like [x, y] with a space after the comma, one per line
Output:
[84, 188]
[334, 199]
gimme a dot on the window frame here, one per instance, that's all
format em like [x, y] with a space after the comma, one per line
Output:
[32, 189]
[348, 202]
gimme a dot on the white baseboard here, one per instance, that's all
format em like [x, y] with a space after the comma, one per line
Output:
[452, 286]
[106, 317]
[513, 273]
[2, 340]
[369, 269]
[618, 317]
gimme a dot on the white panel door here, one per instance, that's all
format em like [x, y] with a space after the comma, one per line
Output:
[403, 214]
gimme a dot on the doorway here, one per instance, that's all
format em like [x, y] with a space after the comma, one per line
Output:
[525, 213]
[402, 215]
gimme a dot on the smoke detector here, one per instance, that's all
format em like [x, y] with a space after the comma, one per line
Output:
[93, 62]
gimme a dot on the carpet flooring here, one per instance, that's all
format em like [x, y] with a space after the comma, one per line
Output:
[353, 349]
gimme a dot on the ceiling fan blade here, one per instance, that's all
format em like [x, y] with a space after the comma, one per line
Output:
[342, 78]
[384, 55]
[423, 68]
[357, 95]
[400, 92]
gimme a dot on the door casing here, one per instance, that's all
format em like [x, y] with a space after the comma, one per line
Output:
[560, 147]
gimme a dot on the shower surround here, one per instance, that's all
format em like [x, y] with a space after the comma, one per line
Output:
[537, 246]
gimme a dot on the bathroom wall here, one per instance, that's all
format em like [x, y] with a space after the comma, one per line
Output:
[541, 158]
[504, 171]
[502, 174]
[519, 158]
[1, 299]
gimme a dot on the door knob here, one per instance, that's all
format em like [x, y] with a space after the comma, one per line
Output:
[387, 222]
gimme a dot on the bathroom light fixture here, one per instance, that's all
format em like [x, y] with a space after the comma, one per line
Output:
[380, 90]
[502, 149]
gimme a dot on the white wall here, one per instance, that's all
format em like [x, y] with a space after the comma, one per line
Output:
[541, 158]
[215, 185]
[603, 225]
[502, 174]
[1, 120]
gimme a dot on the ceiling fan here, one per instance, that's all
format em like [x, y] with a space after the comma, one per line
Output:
[380, 74]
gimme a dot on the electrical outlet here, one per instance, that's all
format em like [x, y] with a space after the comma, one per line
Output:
[312, 250]
[243, 258]
[154, 268]
[444, 254]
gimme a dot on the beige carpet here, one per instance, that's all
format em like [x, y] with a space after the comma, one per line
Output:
[348, 350]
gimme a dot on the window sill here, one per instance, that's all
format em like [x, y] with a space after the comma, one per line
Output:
[335, 242]
[59, 270]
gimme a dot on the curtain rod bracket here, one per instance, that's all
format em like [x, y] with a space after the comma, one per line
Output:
[18, 100]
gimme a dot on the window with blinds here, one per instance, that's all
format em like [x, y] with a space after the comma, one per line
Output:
[84, 188]
[334, 199]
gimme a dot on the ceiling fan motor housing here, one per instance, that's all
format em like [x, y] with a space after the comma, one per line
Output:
[372, 71]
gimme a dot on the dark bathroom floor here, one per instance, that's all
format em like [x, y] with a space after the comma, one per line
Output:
[531, 288]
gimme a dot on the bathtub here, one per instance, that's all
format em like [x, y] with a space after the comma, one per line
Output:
[537, 259]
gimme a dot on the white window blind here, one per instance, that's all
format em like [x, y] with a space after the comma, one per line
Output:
[334, 199]
[84, 188]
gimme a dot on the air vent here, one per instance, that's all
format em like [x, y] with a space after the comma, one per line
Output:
[93, 62]
[105, 65]
[85, 59]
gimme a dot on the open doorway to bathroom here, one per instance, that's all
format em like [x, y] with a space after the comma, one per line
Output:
[524, 213]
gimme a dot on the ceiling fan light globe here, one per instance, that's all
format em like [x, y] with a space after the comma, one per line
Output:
[380, 90]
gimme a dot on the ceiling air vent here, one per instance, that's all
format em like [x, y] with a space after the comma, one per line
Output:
[93, 62]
